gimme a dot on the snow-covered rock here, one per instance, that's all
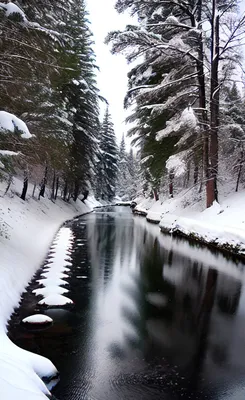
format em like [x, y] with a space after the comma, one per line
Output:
[55, 300]
[51, 289]
[37, 319]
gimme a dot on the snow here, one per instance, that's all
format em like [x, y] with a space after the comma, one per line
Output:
[54, 270]
[187, 120]
[223, 224]
[37, 319]
[177, 163]
[11, 9]
[55, 300]
[8, 153]
[26, 231]
[11, 123]
[53, 289]
[21, 373]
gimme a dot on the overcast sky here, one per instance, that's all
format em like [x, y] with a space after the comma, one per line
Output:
[112, 78]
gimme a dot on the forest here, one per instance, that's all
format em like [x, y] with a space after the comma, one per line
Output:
[185, 100]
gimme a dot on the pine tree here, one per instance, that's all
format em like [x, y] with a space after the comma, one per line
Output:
[170, 82]
[107, 164]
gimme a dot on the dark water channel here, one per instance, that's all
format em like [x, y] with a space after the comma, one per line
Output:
[154, 317]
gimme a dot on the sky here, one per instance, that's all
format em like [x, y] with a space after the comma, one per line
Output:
[112, 78]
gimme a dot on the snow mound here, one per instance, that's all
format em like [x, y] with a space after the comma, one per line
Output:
[52, 282]
[51, 289]
[11, 123]
[28, 369]
[55, 300]
[37, 319]
[11, 9]
[53, 277]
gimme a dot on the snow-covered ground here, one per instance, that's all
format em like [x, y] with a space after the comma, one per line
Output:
[26, 232]
[222, 224]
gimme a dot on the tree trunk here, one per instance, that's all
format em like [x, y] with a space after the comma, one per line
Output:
[43, 184]
[212, 191]
[25, 185]
[53, 186]
[156, 195]
[76, 190]
[65, 190]
[239, 171]
[196, 172]
[56, 188]
[34, 189]
[10, 180]
[85, 195]
[171, 184]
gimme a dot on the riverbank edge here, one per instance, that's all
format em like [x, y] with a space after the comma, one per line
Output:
[21, 258]
[194, 237]
[225, 248]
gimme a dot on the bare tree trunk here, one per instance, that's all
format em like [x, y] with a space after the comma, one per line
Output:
[43, 184]
[53, 185]
[65, 190]
[171, 184]
[203, 104]
[196, 172]
[25, 185]
[10, 180]
[239, 170]
[56, 188]
[156, 194]
[34, 189]
[76, 190]
[85, 195]
[212, 191]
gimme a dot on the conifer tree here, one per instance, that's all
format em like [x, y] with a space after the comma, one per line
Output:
[107, 164]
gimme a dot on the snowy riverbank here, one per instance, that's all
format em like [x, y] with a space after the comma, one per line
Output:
[222, 225]
[26, 231]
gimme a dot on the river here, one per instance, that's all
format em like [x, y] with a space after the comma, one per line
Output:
[155, 318]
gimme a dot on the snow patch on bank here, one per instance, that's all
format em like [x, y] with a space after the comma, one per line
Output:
[223, 224]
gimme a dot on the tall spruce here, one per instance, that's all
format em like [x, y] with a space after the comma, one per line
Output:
[107, 163]
[170, 83]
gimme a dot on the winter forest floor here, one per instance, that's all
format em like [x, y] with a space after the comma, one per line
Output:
[26, 231]
[222, 225]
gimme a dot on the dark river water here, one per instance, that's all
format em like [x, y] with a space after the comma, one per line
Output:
[155, 318]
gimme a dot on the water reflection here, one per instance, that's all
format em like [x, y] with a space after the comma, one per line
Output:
[155, 318]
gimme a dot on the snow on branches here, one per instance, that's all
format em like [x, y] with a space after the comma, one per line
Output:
[176, 164]
[11, 9]
[187, 120]
[10, 123]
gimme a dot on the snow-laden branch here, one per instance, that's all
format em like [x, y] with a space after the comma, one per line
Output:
[187, 121]
[176, 163]
[10, 123]
[11, 10]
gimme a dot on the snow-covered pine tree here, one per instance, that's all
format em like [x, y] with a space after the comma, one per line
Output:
[232, 134]
[123, 172]
[29, 88]
[80, 93]
[107, 164]
[133, 170]
[174, 29]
